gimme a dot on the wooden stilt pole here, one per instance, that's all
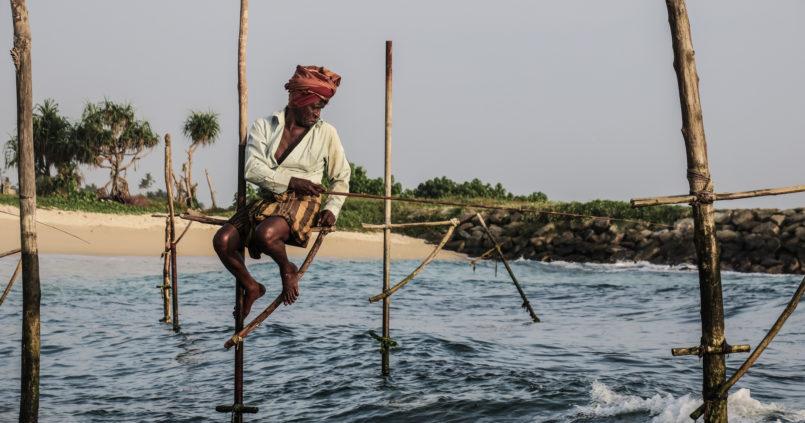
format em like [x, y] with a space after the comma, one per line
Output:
[242, 133]
[166, 285]
[385, 368]
[172, 224]
[29, 370]
[712, 307]
[212, 191]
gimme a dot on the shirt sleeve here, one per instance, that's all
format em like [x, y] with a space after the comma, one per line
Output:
[338, 172]
[258, 168]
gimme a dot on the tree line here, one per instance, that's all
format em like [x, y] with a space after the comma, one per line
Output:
[108, 136]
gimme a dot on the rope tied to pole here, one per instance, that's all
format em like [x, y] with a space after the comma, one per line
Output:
[386, 343]
[703, 197]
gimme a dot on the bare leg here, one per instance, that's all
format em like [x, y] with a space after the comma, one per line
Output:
[270, 236]
[227, 245]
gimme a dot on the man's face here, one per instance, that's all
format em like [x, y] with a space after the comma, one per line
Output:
[308, 115]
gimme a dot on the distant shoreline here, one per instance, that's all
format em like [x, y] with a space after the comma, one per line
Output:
[143, 235]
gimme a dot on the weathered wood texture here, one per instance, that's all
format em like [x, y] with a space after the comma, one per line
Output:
[408, 225]
[729, 349]
[212, 191]
[384, 364]
[166, 285]
[31, 293]
[698, 173]
[792, 305]
[243, 102]
[679, 199]
[172, 223]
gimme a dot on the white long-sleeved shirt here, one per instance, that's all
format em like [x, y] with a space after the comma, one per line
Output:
[318, 150]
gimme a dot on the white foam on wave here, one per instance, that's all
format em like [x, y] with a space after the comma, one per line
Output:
[622, 266]
[741, 407]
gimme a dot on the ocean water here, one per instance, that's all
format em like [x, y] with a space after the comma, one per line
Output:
[467, 350]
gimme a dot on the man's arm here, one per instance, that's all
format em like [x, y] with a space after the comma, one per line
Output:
[258, 165]
[338, 172]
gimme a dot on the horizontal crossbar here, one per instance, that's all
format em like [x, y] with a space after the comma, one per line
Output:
[680, 199]
[729, 349]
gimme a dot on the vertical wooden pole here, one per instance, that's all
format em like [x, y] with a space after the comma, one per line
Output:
[212, 191]
[29, 370]
[712, 306]
[387, 214]
[166, 296]
[242, 115]
[172, 223]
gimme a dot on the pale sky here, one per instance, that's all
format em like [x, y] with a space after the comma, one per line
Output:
[574, 98]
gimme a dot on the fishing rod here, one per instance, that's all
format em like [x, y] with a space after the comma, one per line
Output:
[482, 206]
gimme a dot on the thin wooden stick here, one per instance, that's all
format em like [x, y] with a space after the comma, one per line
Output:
[11, 282]
[680, 199]
[220, 222]
[184, 231]
[254, 324]
[418, 269]
[212, 191]
[482, 256]
[526, 304]
[730, 349]
[789, 309]
[8, 253]
[410, 225]
[51, 227]
[482, 206]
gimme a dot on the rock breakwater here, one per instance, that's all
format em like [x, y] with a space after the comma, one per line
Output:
[750, 240]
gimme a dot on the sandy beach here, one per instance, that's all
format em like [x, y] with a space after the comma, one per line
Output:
[59, 231]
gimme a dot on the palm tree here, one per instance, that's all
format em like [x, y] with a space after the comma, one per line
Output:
[202, 129]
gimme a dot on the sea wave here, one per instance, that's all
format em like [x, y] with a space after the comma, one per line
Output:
[741, 407]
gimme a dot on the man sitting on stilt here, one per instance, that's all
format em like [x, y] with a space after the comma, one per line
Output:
[286, 156]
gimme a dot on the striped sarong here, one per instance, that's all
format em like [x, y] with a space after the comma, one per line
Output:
[298, 210]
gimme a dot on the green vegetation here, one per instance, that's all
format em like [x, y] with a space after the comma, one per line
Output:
[87, 201]
[116, 140]
[202, 129]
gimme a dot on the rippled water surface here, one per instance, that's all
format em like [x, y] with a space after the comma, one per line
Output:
[467, 351]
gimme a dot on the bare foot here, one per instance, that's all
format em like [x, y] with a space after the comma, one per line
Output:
[290, 284]
[250, 296]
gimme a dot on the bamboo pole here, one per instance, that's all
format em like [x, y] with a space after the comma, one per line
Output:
[482, 256]
[526, 303]
[242, 134]
[416, 271]
[410, 225]
[384, 364]
[712, 307]
[680, 199]
[482, 206]
[238, 337]
[166, 285]
[11, 282]
[10, 252]
[726, 349]
[212, 191]
[789, 309]
[172, 224]
[31, 291]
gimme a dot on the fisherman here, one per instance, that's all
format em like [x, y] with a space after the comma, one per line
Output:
[286, 156]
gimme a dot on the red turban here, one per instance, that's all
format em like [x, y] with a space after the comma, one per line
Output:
[311, 83]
